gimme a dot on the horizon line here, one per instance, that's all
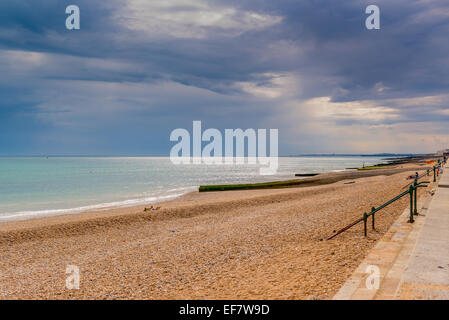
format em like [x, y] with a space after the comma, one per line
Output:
[167, 156]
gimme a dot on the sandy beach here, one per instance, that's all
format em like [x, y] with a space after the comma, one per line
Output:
[251, 244]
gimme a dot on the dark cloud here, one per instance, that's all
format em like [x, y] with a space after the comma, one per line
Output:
[112, 87]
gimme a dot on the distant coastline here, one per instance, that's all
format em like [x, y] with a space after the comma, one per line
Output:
[361, 155]
[166, 156]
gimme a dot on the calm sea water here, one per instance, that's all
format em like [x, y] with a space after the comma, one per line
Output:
[34, 187]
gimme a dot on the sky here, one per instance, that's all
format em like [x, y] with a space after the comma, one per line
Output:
[138, 69]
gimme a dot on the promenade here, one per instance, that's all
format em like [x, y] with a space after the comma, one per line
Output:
[411, 261]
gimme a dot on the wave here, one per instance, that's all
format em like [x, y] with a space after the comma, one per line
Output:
[25, 215]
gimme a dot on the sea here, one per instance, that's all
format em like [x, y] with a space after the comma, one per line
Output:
[32, 187]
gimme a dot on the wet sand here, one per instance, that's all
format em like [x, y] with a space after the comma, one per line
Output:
[251, 244]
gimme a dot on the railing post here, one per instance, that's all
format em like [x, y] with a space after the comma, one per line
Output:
[373, 214]
[411, 220]
[415, 210]
[365, 217]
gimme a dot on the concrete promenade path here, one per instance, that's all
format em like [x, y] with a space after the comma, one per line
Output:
[411, 261]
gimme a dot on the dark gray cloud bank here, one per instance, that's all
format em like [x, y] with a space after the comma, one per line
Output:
[138, 69]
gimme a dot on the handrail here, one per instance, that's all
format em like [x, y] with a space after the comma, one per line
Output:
[365, 215]
[412, 190]
[389, 202]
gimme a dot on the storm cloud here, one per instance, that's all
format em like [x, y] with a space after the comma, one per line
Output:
[138, 69]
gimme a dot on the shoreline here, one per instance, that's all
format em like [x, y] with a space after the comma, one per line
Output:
[324, 179]
[21, 213]
[316, 180]
[130, 203]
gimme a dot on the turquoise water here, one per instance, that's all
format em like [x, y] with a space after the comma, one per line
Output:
[34, 187]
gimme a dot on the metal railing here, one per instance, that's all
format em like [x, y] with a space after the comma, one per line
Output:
[412, 191]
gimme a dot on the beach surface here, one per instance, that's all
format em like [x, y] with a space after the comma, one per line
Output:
[249, 244]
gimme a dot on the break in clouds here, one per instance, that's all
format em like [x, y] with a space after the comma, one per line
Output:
[138, 69]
